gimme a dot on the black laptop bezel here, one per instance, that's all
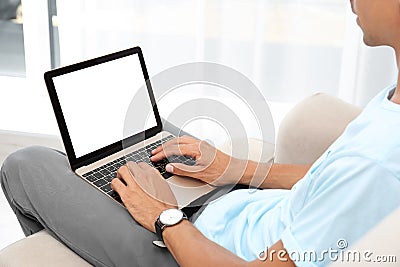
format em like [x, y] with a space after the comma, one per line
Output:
[96, 155]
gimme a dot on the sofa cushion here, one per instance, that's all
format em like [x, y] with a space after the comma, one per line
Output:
[40, 249]
[311, 127]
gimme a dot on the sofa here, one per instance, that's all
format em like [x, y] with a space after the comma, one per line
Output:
[304, 134]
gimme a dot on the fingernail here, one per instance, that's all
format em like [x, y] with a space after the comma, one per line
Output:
[152, 152]
[169, 168]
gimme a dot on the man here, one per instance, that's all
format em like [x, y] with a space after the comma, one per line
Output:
[347, 191]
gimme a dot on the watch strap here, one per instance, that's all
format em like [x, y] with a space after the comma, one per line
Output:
[159, 228]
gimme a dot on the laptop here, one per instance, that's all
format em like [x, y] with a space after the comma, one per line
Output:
[90, 100]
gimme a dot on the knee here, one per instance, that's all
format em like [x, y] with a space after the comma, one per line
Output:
[20, 159]
[23, 155]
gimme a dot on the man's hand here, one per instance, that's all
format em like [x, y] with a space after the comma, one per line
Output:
[212, 166]
[144, 192]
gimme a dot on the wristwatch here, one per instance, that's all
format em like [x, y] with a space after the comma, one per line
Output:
[168, 218]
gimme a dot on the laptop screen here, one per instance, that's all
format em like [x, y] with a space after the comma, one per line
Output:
[94, 102]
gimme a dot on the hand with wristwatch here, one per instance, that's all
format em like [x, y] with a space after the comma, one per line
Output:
[167, 218]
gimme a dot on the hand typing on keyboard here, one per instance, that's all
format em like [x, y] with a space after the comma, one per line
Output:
[212, 166]
[144, 154]
[103, 175]
[144, 192]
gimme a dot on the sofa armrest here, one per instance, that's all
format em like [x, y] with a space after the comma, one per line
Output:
[311, 127]
[40, 249]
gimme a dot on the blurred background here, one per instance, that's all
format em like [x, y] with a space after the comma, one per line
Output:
[289, 48]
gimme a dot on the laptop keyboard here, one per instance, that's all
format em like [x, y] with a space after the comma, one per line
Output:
[102, 176]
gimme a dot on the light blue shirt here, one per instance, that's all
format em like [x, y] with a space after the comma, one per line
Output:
[347, 191]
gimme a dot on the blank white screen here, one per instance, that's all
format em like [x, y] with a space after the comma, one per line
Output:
[95, 100]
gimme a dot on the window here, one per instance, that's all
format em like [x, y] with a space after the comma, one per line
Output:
[12, 55]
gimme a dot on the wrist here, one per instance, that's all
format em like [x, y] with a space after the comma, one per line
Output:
[247, 171]
[171, 230]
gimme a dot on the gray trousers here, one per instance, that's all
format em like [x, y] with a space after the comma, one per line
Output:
[45, 194]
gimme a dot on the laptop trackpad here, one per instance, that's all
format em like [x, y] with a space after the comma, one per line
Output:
[186, 190]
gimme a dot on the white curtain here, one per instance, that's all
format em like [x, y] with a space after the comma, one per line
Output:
[289, 48]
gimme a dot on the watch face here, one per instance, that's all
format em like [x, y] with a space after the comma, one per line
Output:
[171, 216]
